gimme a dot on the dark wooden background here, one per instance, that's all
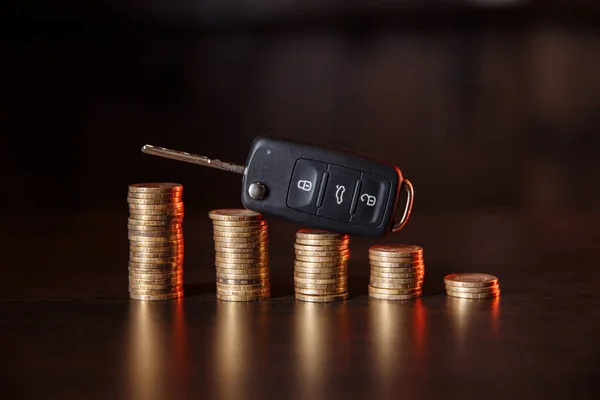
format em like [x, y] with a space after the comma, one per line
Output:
[490, 108]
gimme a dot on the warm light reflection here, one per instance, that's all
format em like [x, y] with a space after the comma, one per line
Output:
[398, 333]
[156, 356]
[464, 311]
[321, 336]
[238, 324]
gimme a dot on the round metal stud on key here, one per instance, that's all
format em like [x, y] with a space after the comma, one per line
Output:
[257, 191]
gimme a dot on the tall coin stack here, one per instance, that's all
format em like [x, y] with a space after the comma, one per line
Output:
[472, 286]
[241, 255]
[397, 272]
[321, 266]
[155, 241]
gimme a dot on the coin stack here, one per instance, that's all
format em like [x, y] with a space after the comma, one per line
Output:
[397, 271]
[155, 241]
[321, 266]
[241, 255]
[472, 285]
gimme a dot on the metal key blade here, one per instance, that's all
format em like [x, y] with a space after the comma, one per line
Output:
[192, 158]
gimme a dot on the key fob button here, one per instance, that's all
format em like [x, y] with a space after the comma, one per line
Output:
[372, 200]
[304, 186]
[339, 193]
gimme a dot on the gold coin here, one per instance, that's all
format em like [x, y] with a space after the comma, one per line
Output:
[471, 280]
[305, 247]
[224, 297]
[262, 237]
[155, 187]
[142, 274]
[389, 285]
[157, 195]
[488, 289]
[247, 277]
[161, 201]
[239, 224]
[164, 287]
[332, 270]
[322, 253]
[148, 239]
[254, 281]
[394, 297]
[322, 281]
[340, 258]
[240, 245]
[319, 264]
[158, 266]
[413, 280]
[246, 271]
[234, 214]
[319, 292]
[238, 287]
[406, 264]
[322, 299]
[407, 250]
[393, 291]
[396, 260]
[160, 233]
[387, 270]
[158, 256]
[259, 250]
[157, 218]
[167, 270]
[152, 297]
[240, 258]
[314, 242]
[146, 207]
[243, 291]
[252, 264]
[320, 276]
[384, 275]
[319, 234]
[255, 230]
[138, 214]
[144, 243]
[154, 291]
[155, 260]
[154, 228]
[166, 221]
[473, 295]
[333, 288]
[156, 281]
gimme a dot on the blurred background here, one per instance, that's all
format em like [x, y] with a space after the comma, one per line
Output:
[490, 108]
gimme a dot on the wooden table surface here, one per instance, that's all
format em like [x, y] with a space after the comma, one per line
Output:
[69, 331]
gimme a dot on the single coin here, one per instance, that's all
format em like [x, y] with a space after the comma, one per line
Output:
[157, 255]
[487, 289]
[394, 297]
[384, 270]
[320, 276]
[412, 280]
[388, 285]
[255, 230]
[154, 291]
[160, 221]
[332, 270]
[153, 297]
[250, 224]
[315, 242]
[251, 264]
[392, 291]
[319, 292]
[250, 277]
[224, 297]
[177, 195]
[471, 280]
[154, 228]
[319, 234]
[175, 212]
[306, 247]
[322, 281]
[143, 274]
[160, 233]
[156, 281]
[240, 245]
[473, 295]
[320, 264]
[322, 299]
[158, 218]
[234, 214]
[158, 287]
[240, 257]
[157, 266]
[261, 237]
[323, 253]
[259, 250]
[405, 264]
[258, 281]
[395, 249]
[389, 259]
[244, 272]
[155, 260]
[333, 288]
[142, 238]
[239, 287]
[340, 258]
[146, 207]
[383, 275]
[243, 292]
[153, 187]
[155, 201]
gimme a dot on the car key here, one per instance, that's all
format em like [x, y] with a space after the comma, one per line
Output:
[316, 186]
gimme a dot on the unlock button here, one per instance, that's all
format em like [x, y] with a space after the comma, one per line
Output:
[372, 200]
[304, 187]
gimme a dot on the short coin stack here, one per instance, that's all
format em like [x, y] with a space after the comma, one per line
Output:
[472, 285]
[321, 266]
[397, 271]
[155, 241]
[241, 255]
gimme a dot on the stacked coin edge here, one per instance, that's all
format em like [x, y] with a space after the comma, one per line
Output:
[155, 233]
[321, 266]
[472, 285]
[241, 255]
[397, 272]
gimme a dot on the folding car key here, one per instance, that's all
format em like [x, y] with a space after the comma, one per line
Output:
[316, 186]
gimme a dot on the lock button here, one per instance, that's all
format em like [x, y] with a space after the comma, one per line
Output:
[339, 193]
[304, 187]
[372, 200]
